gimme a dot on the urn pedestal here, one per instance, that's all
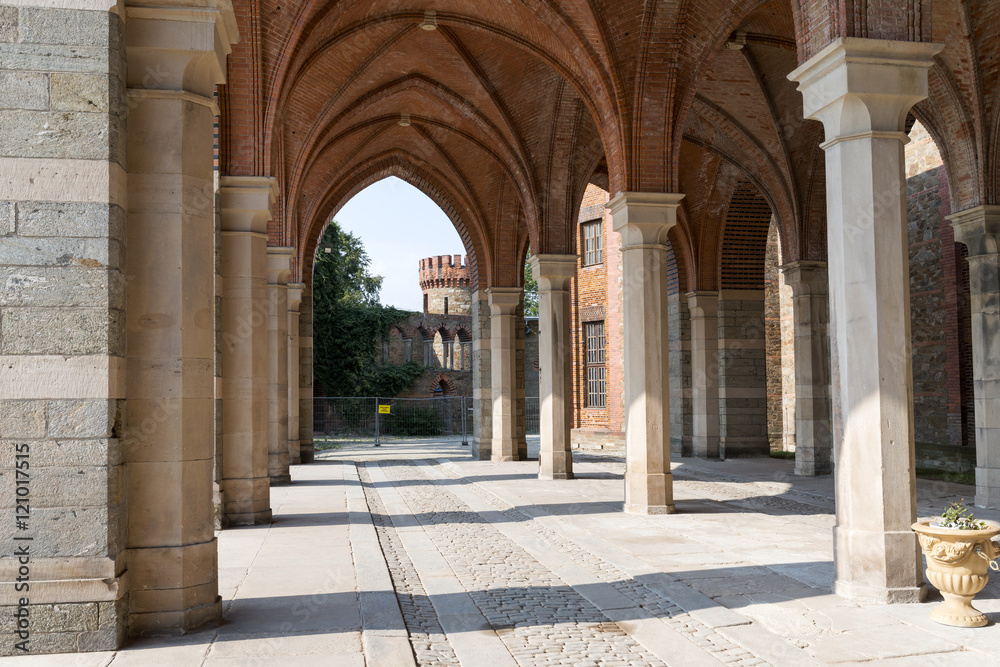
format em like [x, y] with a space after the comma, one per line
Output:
[958, 565]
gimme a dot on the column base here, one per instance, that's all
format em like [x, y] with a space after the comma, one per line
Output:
[681, 447]
[248, 518]
[173, 623]
[307, 453]
[705, 447]
[481, 451]
[811, 468]
[505, 451]
[281, 480]
[555, 465]
[988, 487]
[870, 595]
[649, 493]
[650, 509]
[555, 475]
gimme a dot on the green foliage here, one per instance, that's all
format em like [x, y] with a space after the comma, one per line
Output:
[530, 289]
[412, 421]
[959, 516]
[349, 323]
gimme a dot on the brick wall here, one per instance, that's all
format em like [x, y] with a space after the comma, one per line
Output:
[597, 296]
[779, 334]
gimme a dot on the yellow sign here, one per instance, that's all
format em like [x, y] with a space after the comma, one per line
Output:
[383, 409]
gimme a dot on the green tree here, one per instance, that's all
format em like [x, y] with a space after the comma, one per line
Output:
[349, 322]
[530, 289]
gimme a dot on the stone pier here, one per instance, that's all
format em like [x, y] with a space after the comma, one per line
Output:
[861, 90]
[703, 310]
[508, 433]
[278, 270]
[643, 221]
[294, 336]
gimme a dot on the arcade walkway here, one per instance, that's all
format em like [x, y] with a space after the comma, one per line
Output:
[493, 567]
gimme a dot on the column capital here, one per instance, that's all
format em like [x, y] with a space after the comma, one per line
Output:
[553, 272]
[295, 291]
[179, 45]
[702, 304]
[279, 265]
[245, 202]
[806, 277]
[644, 218]
[858, 86]
[504, 300]
[978, 228]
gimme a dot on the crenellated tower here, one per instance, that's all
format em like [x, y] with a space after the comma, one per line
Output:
[447, 284]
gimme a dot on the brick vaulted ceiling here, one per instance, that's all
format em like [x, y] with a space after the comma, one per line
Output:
[515, 105]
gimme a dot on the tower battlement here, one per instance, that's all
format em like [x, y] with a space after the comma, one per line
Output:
[445, 271]
[446, 281]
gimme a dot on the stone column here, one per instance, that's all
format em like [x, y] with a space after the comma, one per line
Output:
[811, 315]
[482, 382]
[643, 221]
[306, 447]
[681, 405]
[294, 304]
[555, 359]
[175, 59]
[979, 229]
[504, 302]
[742, 374]
[62, 324]
[278, 269]
[861, 90]
[703, 308]
[246, 209]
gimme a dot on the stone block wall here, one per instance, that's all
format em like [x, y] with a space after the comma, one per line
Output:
[939, 314]
[681, 416]
[62, 338]
[482, 392]
[742, 374]
[779, 334]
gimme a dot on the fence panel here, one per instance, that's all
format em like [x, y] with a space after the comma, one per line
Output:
[339, 421]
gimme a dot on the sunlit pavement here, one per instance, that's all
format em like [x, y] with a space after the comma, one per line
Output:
[491, 566]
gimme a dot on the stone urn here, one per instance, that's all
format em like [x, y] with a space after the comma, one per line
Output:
[957, 565]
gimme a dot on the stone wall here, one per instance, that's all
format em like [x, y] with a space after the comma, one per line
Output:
[742, 374]
[62, 325]
[482, 387]
[681, 417]
[779, 335]
[943, 410]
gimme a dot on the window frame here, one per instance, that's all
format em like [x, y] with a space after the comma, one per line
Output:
[595, 365]
[592, 256]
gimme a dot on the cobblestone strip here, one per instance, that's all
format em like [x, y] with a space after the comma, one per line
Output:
[430, 645]
[652, 601]
[540, 619]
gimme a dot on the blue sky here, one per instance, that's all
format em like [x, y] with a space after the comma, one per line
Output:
[399, 226]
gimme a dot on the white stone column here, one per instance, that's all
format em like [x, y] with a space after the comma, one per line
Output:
[245, 204]
[294, 303]
[306, 447]
[979, 229]
[555, 357]
[176, 56]
[703, 308]
[811, 316]
[278, 269]
[643, 221]
[504, 302]
[862, 90]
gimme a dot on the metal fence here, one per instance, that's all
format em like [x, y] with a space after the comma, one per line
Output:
[376, 420]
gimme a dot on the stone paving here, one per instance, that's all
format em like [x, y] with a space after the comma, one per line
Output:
[413, 554]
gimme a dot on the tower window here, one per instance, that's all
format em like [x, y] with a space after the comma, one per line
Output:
[593, 243]
[593, 337]
[446, 305]
[425, 303]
